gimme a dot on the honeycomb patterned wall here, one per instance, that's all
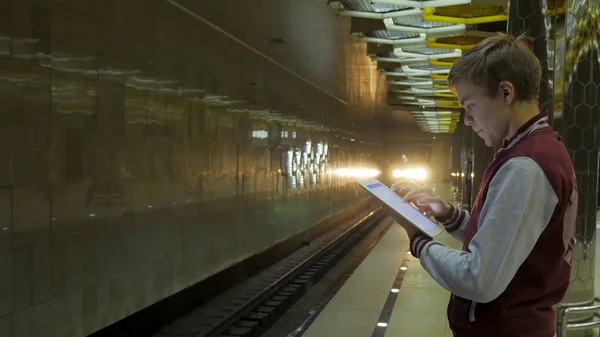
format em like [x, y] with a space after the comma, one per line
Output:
[565, 35]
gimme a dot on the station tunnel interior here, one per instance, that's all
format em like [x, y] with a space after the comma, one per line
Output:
[146, 145]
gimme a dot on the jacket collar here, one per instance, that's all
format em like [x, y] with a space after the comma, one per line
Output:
[537, 122]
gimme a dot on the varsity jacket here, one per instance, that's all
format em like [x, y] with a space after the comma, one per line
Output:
[518, 241]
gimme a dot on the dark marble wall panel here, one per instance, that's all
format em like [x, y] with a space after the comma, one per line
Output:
[122, 181]
[529, 18]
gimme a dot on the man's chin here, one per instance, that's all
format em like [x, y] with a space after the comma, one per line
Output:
[487, 141]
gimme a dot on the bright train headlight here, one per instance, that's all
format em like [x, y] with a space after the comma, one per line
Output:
[415, 174]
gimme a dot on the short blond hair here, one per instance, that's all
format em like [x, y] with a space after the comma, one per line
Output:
[500, 58]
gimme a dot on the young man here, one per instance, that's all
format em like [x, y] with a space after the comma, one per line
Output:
[518, 240]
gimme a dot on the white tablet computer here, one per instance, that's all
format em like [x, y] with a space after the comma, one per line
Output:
[402, 208]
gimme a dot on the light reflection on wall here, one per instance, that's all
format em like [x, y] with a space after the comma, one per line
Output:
[288, 134]
[260, 134]
[305, 166]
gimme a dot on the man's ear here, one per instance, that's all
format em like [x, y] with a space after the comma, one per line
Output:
[507, 92]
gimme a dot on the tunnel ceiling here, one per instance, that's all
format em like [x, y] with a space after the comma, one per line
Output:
[415, 44]
[363, 65]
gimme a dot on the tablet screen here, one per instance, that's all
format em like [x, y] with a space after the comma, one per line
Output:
[394, 201]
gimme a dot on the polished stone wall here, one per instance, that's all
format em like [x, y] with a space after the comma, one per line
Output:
[457, 167]
[127, 175]
[468, 137]
[440, 158]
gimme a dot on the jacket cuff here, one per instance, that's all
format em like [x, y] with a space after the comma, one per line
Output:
[453, 219]
[417, 244]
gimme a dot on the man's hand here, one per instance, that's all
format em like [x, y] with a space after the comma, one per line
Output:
[424, 198]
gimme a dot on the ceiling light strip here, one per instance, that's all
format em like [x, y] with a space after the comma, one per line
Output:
[452, 30]
[423, 4]
[456, 53]
[381, 16]
[414, 42]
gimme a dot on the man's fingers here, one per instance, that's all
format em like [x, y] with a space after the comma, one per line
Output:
[399, 185]
[417, 193]
[403, 191]
[404, 184]
[426, 201]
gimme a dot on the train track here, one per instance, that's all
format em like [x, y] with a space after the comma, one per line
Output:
[252, 310]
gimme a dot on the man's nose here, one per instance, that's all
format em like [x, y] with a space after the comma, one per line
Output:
[468, 120]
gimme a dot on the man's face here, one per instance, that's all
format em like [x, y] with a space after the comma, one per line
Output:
[488, 116]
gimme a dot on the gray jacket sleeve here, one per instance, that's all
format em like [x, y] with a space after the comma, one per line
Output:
[518, 206]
